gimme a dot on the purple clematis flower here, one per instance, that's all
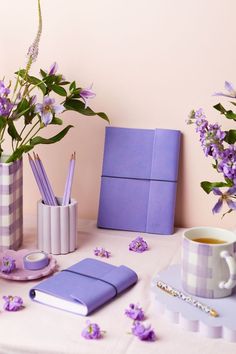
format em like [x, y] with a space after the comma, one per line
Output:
[47, 109]
[138, 245]
[229, 87]
[86, 94]
[8, 264]
[224, 197]
[135, 312]
[53, 69]
[101, 252]
[143, 333]
[91, 331]
[12, 303]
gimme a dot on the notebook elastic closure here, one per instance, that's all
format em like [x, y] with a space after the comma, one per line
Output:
[116, 278]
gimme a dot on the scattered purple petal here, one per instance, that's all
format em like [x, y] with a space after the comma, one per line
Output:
[138, 245]
[101, 252]
[8, 264]
[12, 303]
[135, 312]
[143, 333]
[91, 331]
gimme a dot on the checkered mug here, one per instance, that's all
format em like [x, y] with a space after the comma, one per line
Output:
[207, 269]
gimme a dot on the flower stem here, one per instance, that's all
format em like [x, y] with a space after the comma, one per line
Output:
[28, 134]
[22, 130]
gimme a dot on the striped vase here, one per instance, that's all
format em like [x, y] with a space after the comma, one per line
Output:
[11, 204]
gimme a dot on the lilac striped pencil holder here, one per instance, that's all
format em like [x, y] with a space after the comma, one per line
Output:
[57, 227]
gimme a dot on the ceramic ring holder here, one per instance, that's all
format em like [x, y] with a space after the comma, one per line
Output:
[57, 227]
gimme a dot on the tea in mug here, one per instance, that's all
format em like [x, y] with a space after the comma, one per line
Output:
[210, 241]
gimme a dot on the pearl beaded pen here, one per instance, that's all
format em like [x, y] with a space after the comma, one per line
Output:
[177, 293]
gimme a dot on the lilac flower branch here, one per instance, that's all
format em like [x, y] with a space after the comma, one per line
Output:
[220, 146]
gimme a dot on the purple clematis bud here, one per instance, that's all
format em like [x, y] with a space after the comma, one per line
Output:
[33, 100]
[229, 87]
[224, 197]
[86, 94]
[53, 69]
[47, 109]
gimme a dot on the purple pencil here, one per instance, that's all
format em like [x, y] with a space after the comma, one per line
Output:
[69, 180]
[37, 179]
[42, 179]
[47, 183]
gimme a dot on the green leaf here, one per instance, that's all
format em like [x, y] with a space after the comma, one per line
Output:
[23, 105]
[22, 108]
[72, 86]
[12, 131]
[230, 115]
[43, 73]
[35, 81]
[208, 186]
[79, 106]
[64, 82]
[230, 137]
[49, 80]
[234, 103]
[3, 122]
[57, 121]
[17, 154]
[39, 140]
[220, 108]
[29, 116]
[59, 90]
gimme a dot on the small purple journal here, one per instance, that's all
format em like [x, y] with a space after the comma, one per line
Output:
[84, 287]
[139, 180]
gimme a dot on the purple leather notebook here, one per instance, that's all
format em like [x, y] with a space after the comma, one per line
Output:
[84, 287]
[139, 180]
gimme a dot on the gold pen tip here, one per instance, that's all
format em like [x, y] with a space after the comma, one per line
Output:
[214, 313]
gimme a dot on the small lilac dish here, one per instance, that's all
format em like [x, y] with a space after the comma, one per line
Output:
[22, 274]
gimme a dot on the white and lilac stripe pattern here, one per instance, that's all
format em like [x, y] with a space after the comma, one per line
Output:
[11, 200]
[200, 274]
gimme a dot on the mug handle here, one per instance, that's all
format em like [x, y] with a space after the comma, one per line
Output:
[231, 262]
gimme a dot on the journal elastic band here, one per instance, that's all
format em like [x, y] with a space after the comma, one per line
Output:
[92, 277]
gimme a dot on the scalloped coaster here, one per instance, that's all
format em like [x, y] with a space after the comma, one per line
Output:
[191, 318]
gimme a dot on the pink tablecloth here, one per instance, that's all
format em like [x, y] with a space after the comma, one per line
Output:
[41, 329]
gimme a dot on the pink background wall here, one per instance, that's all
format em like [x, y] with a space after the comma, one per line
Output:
[151, 62]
